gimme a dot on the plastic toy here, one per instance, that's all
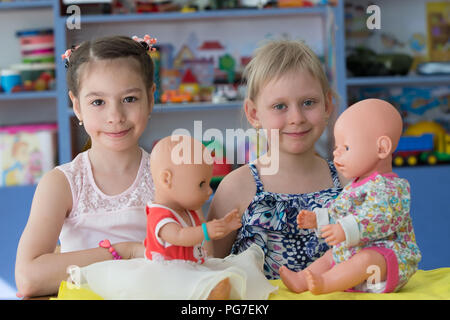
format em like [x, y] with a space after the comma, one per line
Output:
[423, 142]
[220, 166]
[368, 224]
[176, 96]
[189, 83]
[9, 79]
[438, 22]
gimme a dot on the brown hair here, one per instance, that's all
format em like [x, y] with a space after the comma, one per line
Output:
[111, 47]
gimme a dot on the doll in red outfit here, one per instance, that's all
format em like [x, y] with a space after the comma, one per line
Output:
[176, 263]
[174, 218]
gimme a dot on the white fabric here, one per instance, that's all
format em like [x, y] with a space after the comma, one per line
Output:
[322, 219]
[351, 230]
[177, 279]
[96, 216]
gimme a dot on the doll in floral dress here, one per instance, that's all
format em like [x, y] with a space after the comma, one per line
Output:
[368, 224]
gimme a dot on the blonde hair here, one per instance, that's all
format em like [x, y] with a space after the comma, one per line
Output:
[278, 57]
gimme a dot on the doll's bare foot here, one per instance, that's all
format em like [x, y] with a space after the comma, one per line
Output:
[294, 281]
[221, 291]
[315, 282]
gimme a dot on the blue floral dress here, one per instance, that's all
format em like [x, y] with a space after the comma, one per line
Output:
[270, 221]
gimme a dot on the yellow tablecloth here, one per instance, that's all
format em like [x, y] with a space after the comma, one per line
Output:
[424, 285]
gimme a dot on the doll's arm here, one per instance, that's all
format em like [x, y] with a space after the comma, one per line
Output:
[306, 220]
[175, 234]
[315, 219]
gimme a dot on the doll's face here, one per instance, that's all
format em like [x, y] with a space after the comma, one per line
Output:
[190, 185]
[354, 154]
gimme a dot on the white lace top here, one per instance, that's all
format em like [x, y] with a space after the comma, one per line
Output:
[96, 216]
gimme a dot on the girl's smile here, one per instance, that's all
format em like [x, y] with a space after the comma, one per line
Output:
[118, 134]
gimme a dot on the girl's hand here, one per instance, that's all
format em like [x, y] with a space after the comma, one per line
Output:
[130, 250]
[333, 234]
[306, 220]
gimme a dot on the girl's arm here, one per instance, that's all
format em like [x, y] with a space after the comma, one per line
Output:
[39, 271]
[235, 191]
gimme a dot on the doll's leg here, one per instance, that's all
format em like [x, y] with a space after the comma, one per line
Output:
[296, 281]
[347, 274]
[221, 291]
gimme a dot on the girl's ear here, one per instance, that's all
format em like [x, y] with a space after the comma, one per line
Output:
[384, 147]
[251, 113]
[329, 105]
[151, 99]
[76, 105]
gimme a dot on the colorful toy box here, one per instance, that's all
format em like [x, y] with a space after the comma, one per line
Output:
[26, 153]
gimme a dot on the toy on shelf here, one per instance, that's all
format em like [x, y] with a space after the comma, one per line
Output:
[424, 142]
[89, 6]
[176, 96]
[438, 25]
[220, 166]
[9, 79]
[37, 70]
[26, 153]
[189, 83]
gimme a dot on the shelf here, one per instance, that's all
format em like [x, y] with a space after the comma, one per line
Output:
[28, 95]
[398, 80]
[199, 15]
[180, 107]
[199, 106]
[31, 4]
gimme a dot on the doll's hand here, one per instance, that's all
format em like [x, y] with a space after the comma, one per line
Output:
[333, 234]
[232, 220]
[218, 229]
[306, 220]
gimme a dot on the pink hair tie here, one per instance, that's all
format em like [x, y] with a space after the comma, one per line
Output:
[147, 42]
[67, 55]
[107, 245]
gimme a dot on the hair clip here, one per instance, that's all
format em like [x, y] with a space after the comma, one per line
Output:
[67, 54]
[147, 42]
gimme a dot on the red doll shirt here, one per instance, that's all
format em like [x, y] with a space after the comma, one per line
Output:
[157, 248]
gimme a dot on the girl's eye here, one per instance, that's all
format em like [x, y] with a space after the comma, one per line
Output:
[308, 102]
[202, 184]
[280, 106]
[130, 99]
[98, 102]
[346, 148]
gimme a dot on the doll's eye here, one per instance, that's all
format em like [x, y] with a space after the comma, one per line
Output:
[202, 184]
[346, 148]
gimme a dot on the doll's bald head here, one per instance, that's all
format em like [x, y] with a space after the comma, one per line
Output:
[372, 117]
[177, 150]
[366, 135]
[179, 165]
